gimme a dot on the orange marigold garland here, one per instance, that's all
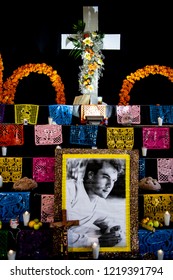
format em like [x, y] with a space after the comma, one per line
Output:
[1, 75]
[129, 82]
[8, 89]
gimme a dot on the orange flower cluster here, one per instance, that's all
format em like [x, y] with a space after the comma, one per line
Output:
[1, 74]
[129, 82]
[8, 89]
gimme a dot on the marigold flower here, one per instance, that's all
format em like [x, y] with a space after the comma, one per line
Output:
[130, 80]
[8, 89]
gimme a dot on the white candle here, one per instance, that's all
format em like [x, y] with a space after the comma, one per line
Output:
[95, 249]
[1, 181]
[167, 218]
[4, 151]
[50, 120]
[160, 254]
[26, 218]
[160, 121]
[144, 151]
[58, 147]
[11, 255]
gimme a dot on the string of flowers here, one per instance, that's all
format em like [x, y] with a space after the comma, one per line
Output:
[8, 91]
[129, 82]
[88, 46]
[1, 74]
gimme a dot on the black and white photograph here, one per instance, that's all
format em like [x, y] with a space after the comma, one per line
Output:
[97, 195]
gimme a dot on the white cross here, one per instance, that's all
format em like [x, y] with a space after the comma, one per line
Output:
[90, 18]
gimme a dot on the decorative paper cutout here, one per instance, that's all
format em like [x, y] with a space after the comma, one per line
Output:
[83, 134]
[155, 206]
[11, 169]
[47, 208]
[165, 170]
[156, 137]
[120, 138]
[13, 205]
[61, 114]
[27, 112]
[48, 134]
[92, 110]
[2, 111]
[44, 169]
[11, 134]
[128, 114]
[163, 111]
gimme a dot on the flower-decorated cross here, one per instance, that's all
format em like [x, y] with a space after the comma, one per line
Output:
[88, 43]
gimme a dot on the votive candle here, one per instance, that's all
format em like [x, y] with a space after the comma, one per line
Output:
[144, 151]
[160, 121]
[4, 151]
[11, 255]
[160, 254]
[95, 249]
[167, 218]
[50, 120]
[26, 218]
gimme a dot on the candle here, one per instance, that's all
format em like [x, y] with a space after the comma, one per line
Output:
[160, 121]
[11, 255]
[160, 254]
[95, 249]
[58, 147]
[4, 151]
[167, 218]
[50, 120]
[1, 181]
[26, 218]
[144, 151]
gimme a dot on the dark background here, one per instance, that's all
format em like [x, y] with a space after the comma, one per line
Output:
[31, 33]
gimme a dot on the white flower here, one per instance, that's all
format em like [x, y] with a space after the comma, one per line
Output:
[88, 45]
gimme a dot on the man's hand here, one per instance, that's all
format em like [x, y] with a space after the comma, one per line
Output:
[110, 239]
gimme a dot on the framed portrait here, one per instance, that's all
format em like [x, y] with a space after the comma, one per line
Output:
[99, 189]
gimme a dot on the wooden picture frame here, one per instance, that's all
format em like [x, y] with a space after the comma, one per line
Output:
[63, 157]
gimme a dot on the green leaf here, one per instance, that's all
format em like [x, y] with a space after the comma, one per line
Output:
[75, 52]
[79, 27]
